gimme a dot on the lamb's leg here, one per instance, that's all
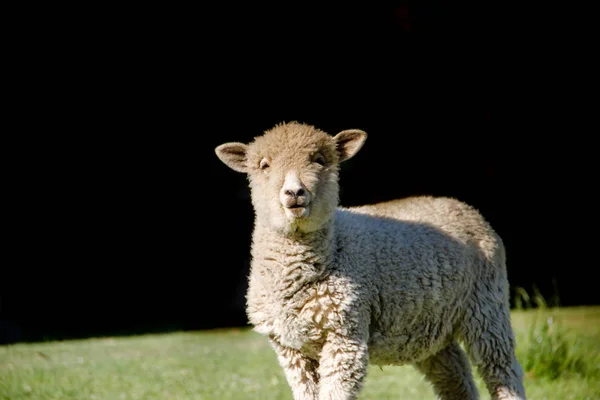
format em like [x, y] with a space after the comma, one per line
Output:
[450, 374]
[490, 343]
[300, 372]
[343, 367]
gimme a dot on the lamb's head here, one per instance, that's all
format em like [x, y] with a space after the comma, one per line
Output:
[293, 173]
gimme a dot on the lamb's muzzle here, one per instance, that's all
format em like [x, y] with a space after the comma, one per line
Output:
[294, 197]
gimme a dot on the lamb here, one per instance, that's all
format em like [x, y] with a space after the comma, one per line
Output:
[401, 282]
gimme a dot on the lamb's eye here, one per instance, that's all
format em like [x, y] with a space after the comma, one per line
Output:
[319, 159]
[264, 164]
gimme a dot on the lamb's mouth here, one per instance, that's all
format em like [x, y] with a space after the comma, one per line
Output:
[297, 211]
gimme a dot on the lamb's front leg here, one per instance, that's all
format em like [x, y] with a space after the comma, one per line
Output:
[343, 367]
[300, 372]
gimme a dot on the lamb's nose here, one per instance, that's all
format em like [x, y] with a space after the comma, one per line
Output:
[295, 193]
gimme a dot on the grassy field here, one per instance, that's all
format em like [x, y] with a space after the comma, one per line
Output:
[560, 349]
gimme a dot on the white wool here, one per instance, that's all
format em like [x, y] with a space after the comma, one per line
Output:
[395, 283]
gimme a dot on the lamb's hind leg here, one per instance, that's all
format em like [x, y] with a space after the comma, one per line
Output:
[490, 343]
[450, 374]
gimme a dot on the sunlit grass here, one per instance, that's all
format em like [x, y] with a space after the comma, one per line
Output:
[239, 364]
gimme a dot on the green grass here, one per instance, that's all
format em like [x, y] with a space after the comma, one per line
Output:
[239, 364]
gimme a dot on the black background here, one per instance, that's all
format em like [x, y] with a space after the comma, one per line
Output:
[126, 221]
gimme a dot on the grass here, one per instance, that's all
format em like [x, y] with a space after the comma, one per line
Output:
[562, 360]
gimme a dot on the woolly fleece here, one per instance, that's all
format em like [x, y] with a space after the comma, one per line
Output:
[401, 282]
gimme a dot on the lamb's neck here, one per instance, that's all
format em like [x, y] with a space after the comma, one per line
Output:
[292, 259]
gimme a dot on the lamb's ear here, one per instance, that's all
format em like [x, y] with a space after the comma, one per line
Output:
[233, 155]
[349, 142]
